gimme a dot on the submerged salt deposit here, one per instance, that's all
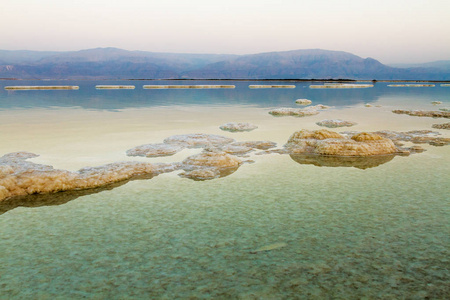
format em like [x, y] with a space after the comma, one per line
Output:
[42, 87]
[423, 113]
[335, 123]
[238, 127]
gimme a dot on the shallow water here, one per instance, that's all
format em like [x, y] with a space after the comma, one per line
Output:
[333, 232]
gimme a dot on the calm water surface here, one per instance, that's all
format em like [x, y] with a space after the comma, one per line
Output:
[334, 232]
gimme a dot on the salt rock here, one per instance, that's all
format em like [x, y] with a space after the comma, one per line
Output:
[368, 105]
[436, 102]
[238, 127]
[198, 140]
[324, 142]
[154, 150]
[303, 101]
[441, 126]
[423, 113]
[335, 123]
[210, 165]
[211, 159]
[19, 177]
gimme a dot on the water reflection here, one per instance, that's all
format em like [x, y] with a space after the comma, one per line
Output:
[59, 198]
[360, 162]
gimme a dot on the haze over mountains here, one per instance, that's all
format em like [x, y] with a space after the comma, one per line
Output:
[113, 63]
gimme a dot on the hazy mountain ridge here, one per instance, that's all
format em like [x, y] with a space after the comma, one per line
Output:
[440, 64]
[114, 63]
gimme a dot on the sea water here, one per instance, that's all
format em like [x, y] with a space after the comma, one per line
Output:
[273, 229]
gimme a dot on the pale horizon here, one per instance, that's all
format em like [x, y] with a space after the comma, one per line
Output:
[392, 32]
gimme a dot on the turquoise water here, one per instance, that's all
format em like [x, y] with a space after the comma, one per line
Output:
[335, 232]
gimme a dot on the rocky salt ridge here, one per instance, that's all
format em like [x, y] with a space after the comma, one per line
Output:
[19, 177]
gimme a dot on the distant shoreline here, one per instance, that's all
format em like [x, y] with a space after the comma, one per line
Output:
[244, 80]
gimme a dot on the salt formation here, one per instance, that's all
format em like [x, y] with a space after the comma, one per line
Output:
[298, 112]
[154, 150]
[368, 105]
[411, 85]
[325, 142]
[205, 86]
[275, 86]
[423, 113]
[235, 127]
[303, 101]
[209, 165]
[42, 87]
[442, 126]
[115, 87]
[341, 86]
[335, 123]
[19, 177]
[436, 102]
[445, 85]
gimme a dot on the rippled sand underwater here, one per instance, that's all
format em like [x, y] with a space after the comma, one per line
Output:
[273, 229]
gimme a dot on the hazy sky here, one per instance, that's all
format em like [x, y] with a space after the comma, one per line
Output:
[390, 31]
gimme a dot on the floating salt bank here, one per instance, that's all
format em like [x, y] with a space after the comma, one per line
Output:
[265, 86]
[115, 87]
[238, 127]
[189, 86]
[303, 101]
[445, 85]
[341, 86]
[424, 113]
[42, 87]
[441, 126]
[411, 85]
[335, 123]
[298, 112]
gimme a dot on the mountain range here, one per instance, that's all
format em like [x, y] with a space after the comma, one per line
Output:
[114, 63]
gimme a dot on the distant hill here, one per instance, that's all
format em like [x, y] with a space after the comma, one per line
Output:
[440, 64]
[114, 63]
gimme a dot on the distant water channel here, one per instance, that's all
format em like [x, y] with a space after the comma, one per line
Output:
[278, 228]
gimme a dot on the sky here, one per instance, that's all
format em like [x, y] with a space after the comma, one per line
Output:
[394, 31]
